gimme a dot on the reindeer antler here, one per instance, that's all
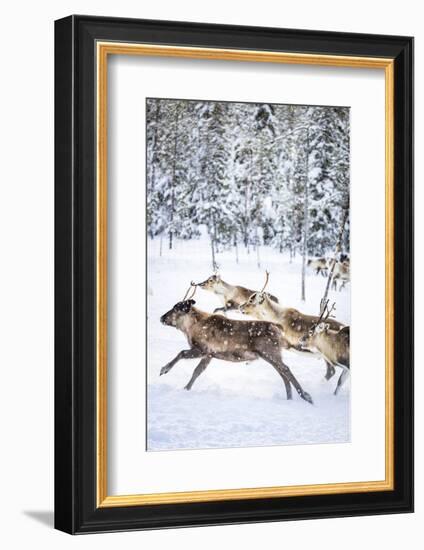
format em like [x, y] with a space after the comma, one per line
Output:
[266, 281]
[324, 316]
[186, 296]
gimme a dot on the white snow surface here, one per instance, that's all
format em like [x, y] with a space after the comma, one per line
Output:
[236, 404]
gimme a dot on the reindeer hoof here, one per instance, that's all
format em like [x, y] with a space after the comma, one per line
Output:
[188, 388]
[164, 370]
[307, 398]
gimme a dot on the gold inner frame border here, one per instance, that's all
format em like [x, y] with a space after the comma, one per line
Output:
[103, 50]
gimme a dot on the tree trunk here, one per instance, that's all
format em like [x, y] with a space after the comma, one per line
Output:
[213, 243]
[246, 215]
[258, 256]
[305, 219]
[174, 172]
[336, 251]
[154, 151]
[213, 253]
[236, 249]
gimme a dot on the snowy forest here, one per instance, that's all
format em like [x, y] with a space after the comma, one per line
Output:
[252, 191]
[248, 175]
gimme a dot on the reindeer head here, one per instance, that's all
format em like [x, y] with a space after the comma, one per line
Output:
[212, 283]
[318, 327]
[174, 316]
[307, 340]
[254, 304]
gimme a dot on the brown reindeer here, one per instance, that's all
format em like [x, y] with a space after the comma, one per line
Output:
[292, 322]
[214, 336]
[231, 296]
[341, 274]
[319, 265]
[333, 345]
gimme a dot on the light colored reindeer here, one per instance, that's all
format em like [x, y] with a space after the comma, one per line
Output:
[341, 274]
[320, 265]
[292, 322]
[333, 345]
[232, 296]
[214, 336]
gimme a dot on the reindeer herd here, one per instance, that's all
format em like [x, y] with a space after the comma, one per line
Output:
[274, 330]
[341, 270]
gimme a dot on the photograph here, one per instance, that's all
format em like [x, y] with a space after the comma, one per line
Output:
[229, 200]
[248, 274]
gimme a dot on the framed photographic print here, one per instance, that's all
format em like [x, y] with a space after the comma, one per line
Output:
[234, 274]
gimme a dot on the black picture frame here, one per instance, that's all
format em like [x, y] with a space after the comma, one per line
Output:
[76, 510]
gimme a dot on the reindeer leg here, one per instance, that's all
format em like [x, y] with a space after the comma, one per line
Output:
[287, 385]
[303, 394]
[331, 371]
[228, 307]
[198, 371]
[341, 381]
[266, 358]
[285, 372]
[275, 362]
[192, 353]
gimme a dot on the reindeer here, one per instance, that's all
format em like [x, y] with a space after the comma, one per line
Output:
[292, 322]
[214, 336]
[342, 274]
[333, 345]
[319, 265]
[344, 258]
[231, 296]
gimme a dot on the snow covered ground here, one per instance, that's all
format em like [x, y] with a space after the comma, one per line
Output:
[235, 404]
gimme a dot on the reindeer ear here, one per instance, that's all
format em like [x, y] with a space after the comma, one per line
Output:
[186, 306]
